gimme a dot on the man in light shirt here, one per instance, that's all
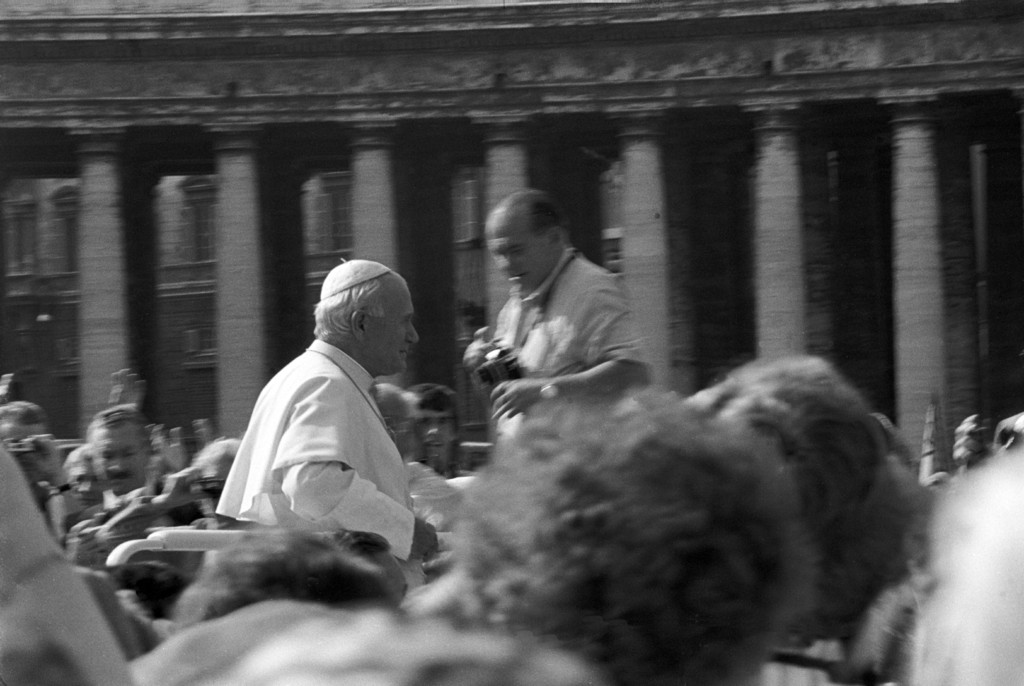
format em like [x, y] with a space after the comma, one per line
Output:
[318, 454]
[567, 321]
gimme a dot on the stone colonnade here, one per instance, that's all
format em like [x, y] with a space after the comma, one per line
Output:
[777, 243]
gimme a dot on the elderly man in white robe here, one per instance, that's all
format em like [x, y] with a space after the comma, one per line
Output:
[318, 454]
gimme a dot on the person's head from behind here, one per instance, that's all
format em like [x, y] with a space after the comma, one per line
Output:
[156, 585]
[375, 549]
[970, 630]
[527, 234]
[384, 649]
[662, 543]
[280, 564]
[437, 426]
[398, 408]
[366, 311]
[115, 455]
[859, 502]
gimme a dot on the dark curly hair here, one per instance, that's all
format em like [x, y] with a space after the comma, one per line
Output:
[657, 540]
[862, 506]
[277, 564]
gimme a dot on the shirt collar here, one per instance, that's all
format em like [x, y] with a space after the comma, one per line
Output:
[540, 293]
[359, 375]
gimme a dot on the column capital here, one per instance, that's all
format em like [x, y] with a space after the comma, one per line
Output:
[639, 125]
[502, 128]
[98, 141]
[908, 109]
[234, 136]
[373, 134]
[775, 117]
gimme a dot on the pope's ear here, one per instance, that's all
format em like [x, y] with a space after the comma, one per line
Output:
[358, 321]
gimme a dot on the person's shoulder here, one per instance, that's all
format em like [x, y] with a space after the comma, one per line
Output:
[589, 282]
[583, 269]
[307, 368]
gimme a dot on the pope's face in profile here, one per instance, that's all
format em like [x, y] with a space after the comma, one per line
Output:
[390, 337]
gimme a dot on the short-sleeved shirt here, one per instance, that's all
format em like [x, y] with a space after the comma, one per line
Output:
[575, 321]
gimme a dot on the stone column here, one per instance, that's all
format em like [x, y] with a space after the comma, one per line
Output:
[507, 171]
[103, 311]
[240, 330]
[778, 236]
[917, 281]
[645, 261]
[373, 196]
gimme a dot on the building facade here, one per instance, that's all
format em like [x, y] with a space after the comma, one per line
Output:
[841, 177]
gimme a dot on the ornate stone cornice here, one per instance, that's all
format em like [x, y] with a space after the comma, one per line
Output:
[206, 35]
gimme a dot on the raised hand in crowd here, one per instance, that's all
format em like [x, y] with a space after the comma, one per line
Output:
[169, 448]
[969, 446]
[203, 430]
[127, 388]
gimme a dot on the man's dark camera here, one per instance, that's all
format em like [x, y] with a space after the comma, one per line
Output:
[499, 365]
[24, 447]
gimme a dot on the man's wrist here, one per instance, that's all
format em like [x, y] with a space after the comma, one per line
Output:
[549, 391]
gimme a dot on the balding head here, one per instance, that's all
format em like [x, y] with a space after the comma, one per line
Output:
[536, 208]
[526, 235]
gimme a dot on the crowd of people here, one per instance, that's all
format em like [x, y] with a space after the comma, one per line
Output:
[619, 534]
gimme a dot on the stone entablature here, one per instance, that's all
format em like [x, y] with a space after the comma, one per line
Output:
[215, 70]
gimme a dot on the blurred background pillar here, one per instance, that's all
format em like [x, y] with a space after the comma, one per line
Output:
[917, 282]
[103, 312]
[645, 251]
[240, 331]
[779, 288]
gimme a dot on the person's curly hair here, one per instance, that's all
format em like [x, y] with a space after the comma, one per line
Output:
[861, 504]
[657, 540]
[278, 564]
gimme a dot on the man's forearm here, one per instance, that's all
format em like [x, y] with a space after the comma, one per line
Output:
[607, 378]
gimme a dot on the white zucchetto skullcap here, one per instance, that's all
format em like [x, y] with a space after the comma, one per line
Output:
[349, 274]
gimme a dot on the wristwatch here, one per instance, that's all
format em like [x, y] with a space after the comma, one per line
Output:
[549, 391]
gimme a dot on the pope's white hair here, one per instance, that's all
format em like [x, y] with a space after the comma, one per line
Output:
[333, 315]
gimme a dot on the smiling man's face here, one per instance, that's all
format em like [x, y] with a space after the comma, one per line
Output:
[121, 452]
[526, 257]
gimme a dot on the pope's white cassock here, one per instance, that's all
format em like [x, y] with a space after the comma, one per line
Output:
[318, 456]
